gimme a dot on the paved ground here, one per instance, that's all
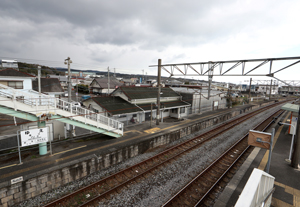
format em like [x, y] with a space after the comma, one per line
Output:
[287, 179]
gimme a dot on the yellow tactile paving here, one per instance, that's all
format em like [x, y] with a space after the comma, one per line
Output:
[278, 203]
[264, 160]
[153, 130]
[135, 131]
[295, 192]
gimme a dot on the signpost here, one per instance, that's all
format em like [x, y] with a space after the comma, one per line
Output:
[32, 137]
[262, 140]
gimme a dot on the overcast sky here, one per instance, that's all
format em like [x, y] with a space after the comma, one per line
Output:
[133, 34]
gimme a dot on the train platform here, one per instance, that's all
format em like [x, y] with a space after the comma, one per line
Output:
[287, 179]
[71, 150]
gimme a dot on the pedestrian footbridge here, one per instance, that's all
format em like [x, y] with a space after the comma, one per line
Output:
[28, 104]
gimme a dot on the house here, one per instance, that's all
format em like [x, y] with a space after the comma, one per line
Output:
[16, 79]
[144, 97]
[137, 103]
[49, 86]
[295, 90]
[265, 89]
[104, 86]
[198, 98]
[13, 64]
[116, 107]
[62, 79]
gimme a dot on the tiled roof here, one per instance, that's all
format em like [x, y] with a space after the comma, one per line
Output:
[147, 92]
[47, 85]
[103, 83]
[116, 105]
[13, 72]
[170, 104]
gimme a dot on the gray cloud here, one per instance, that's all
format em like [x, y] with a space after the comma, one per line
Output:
[104, 31]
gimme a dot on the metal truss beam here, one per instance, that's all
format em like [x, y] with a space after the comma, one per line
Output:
[210, 68]
[291, 83]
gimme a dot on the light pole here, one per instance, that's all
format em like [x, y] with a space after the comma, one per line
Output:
[68, 61]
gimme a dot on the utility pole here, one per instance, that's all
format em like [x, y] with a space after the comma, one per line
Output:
[108, 83]
[296, 147]
[250, 90]
[151, 116]
[200, 99]
[68, 61]
[270, 90]
[158, 91]
[39, 83]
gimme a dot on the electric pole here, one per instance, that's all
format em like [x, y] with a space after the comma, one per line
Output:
[250, 90]
[158, 92]
[108, 84]
[270, 90]
[68, 61]
[39, 83]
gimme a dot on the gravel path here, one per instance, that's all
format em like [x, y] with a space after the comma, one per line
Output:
[158, 188]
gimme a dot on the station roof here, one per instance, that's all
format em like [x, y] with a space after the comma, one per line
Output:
[290, 107]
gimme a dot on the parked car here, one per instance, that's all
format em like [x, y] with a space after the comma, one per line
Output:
[85, 97]
[75, 104]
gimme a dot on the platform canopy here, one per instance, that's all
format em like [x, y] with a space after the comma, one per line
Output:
[290, 107]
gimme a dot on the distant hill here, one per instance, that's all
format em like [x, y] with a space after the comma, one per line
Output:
[32, 69]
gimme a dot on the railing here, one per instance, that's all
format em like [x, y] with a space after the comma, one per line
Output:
[258, 190]
[45, 102]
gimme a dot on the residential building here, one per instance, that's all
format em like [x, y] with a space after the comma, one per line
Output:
[138, 104]
[292, 90]
[49, 86]
[62, 79]
[265, 89]
[198, 98]
[13, 64]
[104, 86]
[16, 79]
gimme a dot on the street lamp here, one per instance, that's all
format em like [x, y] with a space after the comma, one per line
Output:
[290, 155]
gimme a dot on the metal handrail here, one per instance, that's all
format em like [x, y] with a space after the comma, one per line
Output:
[267, 197]
[34, 99]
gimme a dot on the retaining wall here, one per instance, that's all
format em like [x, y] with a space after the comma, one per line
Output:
[51, 178]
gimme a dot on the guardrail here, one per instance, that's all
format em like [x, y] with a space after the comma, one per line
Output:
[39, 102]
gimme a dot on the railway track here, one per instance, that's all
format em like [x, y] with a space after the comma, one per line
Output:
[101, 190]
[202, 190]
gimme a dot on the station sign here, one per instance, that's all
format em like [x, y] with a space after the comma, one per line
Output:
[34, 136]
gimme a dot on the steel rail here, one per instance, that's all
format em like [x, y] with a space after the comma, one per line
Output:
[171, 201]
[153, 166]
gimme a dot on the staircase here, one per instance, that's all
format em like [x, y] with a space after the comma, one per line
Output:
[31, 102]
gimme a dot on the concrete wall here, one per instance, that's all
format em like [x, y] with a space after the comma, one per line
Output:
[48, 179]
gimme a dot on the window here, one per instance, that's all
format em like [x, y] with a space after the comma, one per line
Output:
[174, 111]
[15, 84]
[182, 110]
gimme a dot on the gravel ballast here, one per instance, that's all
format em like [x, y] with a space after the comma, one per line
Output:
[160, 186]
